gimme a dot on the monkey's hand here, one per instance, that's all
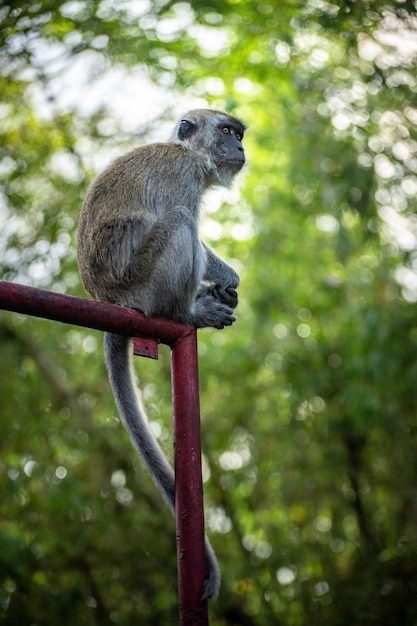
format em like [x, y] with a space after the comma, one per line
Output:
[227, 295]
[224, 295]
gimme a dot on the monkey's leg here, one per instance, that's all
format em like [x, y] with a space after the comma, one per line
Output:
[167, 269]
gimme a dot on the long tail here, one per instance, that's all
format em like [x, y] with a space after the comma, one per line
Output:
[119, 365]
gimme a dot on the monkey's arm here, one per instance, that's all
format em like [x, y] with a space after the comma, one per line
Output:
[220, 279]
[218, 271]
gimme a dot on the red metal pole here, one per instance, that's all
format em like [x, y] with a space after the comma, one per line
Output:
[188, 481]
[89, 313]
[186, 405]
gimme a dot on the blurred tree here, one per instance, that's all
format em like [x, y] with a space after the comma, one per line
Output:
[311, 474]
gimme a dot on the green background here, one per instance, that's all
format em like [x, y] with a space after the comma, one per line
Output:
[308, 402]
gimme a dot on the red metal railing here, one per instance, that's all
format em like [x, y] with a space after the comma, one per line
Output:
[186, 409]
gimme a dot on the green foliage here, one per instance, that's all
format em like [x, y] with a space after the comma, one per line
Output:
[308, 402]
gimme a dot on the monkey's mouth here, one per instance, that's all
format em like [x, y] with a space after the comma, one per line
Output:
[235, 164]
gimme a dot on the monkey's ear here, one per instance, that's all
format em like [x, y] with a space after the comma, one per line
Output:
[185, 129]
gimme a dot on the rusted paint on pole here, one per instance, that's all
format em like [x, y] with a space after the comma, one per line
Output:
[186, 406]
[188, 481]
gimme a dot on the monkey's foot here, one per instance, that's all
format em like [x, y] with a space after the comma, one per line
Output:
[210, 312]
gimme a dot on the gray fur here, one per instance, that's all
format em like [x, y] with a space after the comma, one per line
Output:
[138, 246]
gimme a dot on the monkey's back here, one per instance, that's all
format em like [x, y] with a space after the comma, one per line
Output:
[148, 179]
[136, 190]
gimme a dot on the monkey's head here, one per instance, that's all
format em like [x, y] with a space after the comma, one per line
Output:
[217, 138]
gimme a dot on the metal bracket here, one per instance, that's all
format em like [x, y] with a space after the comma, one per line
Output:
[145, 347]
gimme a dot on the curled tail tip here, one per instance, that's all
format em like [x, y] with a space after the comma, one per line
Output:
[208, 592]
[211, 588]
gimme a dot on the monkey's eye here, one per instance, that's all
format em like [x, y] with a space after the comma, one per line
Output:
[226, 130]
[239, 136]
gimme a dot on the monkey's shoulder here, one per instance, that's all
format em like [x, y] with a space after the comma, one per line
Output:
[160, 158]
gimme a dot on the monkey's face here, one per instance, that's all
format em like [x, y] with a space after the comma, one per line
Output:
[229, 152]
[217, 137]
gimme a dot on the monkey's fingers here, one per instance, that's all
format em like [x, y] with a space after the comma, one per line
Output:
[228, 318]
[223, 317]
[226, 295]
[228, 322]
[233, 297]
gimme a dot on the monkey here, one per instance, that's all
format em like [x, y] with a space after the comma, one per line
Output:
[139, 247]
